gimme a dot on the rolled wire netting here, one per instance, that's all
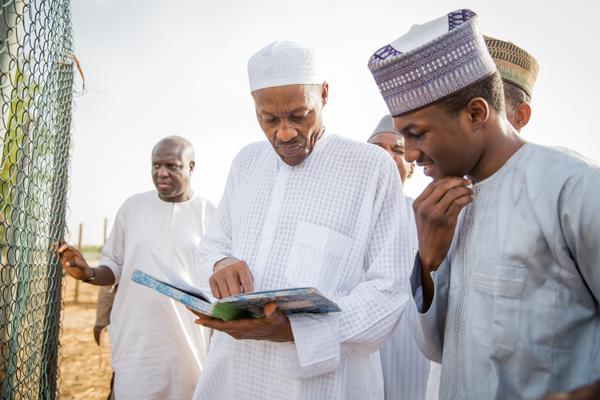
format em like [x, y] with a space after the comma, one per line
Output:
[36, 85]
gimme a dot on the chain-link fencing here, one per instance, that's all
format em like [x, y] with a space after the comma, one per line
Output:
[36, 81]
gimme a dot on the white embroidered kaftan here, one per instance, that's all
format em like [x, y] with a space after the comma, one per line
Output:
[405, 368]
[156, 349]
[334, 222]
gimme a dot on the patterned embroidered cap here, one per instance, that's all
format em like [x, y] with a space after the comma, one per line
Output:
[283, 63]
[514, 64]
[385, 125]
[431, 62]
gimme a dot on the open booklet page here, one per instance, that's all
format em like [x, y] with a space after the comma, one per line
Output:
[245, 305]
[180, 280]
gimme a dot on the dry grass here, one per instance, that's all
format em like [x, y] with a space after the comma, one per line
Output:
[85, 368]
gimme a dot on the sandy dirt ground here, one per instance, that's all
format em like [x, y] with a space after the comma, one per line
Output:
[85, 368]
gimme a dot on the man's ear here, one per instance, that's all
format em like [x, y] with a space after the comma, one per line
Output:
[478, 111]
[522, 115]
[192, 165]
[324, 93]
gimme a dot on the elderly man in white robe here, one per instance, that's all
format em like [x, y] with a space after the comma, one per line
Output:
[507, 279]
[157, 351]
[405, 368]
[304, 208]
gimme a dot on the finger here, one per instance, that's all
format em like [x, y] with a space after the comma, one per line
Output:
[97, 333]
[233, 283]
[215, 323]
[424, 195]
[203, 322]
[221, 282]
[68, 251]
[428, 190]
[236, 335]
[202, 317]
[269, 309]
[457, 205]
[246, 279]
[65, 261]
[196, 313]
[75, 263]
[450, 196]
[436, 190]
[55, 245]
[446, 186]
[72, 251]
[214, 288]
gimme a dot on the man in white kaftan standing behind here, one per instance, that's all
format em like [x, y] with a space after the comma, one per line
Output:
[318, 211]
[157, 351]
[405, 368]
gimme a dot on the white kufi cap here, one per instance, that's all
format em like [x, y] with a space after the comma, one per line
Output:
[283, 63]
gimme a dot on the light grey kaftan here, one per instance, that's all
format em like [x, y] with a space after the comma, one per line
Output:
[515, 313]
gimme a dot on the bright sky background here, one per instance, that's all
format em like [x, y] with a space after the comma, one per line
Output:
[155, 68]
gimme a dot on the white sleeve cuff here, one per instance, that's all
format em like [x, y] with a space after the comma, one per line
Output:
[317, 339]
[440, 279]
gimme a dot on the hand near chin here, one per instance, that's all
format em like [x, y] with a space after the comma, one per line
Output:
[436, 214]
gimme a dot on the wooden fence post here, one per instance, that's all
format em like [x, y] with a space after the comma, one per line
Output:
[79, 244]
[104, 236]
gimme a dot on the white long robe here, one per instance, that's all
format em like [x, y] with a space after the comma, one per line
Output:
[157, 351]
[405, 368]
[333, 222]
[515, 312]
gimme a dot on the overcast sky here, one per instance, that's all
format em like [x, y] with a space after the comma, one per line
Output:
[156, 68]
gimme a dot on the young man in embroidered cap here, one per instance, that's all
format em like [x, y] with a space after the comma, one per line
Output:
[519, 71]
[506, 282]
[405, 369]
[156, 349]
[304, 208]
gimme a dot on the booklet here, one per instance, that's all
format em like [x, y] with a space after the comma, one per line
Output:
[244, 305]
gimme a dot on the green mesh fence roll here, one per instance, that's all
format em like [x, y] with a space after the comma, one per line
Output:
[36, 83]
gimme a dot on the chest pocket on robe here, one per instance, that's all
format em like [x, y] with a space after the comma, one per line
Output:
[316, 257]
[496, 307]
